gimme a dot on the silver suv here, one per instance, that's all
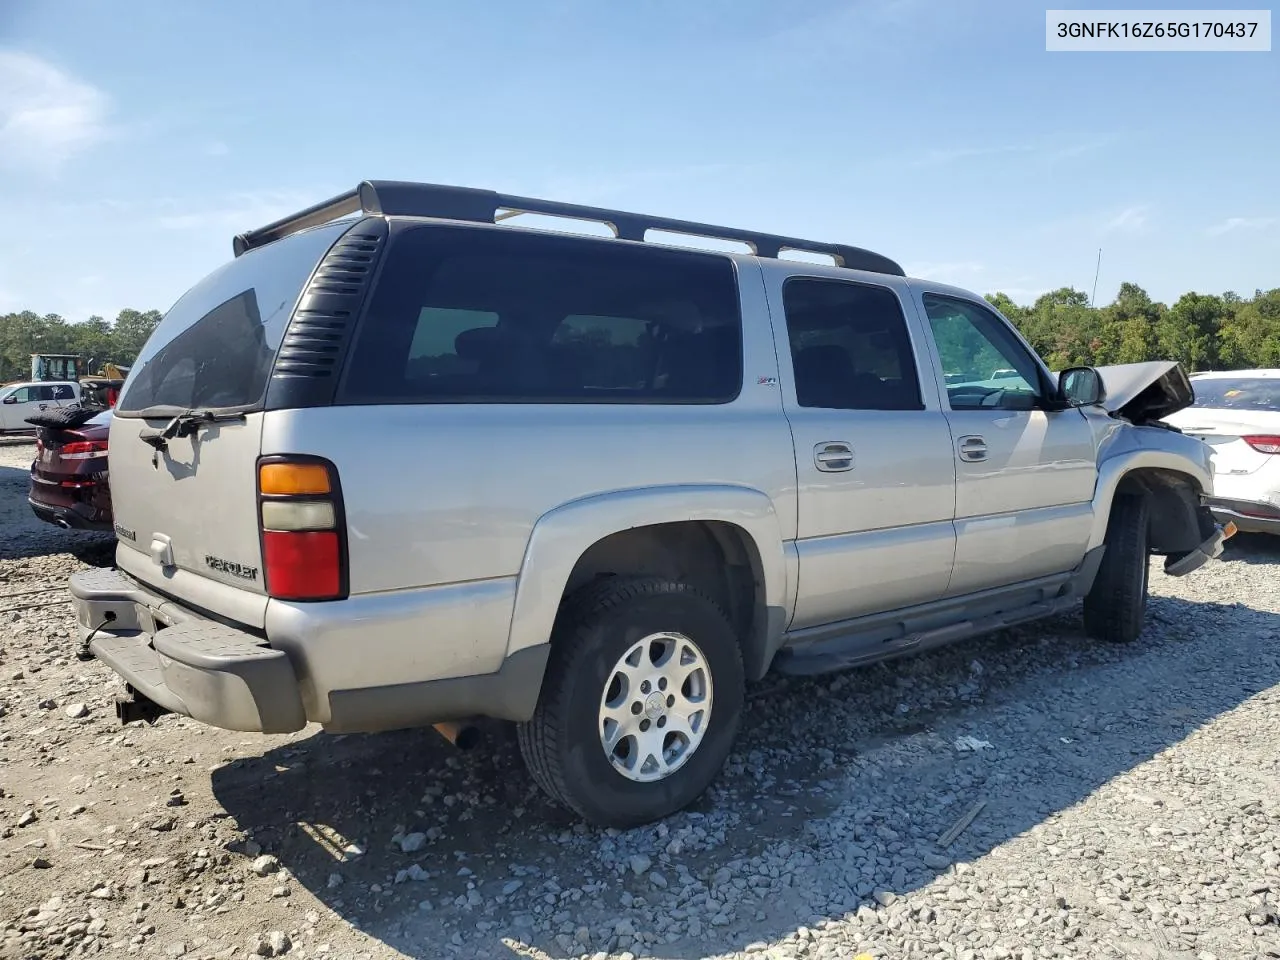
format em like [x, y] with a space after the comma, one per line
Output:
[401, 462]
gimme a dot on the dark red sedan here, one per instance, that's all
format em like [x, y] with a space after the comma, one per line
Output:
[69, 475]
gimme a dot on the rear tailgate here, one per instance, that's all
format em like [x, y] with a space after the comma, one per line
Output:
[187, 431]
[188, 513]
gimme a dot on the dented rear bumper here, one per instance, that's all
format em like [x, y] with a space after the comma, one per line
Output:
[181, 662]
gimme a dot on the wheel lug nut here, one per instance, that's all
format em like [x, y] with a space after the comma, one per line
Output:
[662, 721]
[671, 700]
[644, 725]
[637, 707]
[662, 684]
[644, 687]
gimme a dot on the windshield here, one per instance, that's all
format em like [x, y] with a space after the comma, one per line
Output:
[216, 346]
[1238, 393]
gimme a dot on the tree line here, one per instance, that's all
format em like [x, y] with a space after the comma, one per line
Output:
[96, 339]
[1202, 331]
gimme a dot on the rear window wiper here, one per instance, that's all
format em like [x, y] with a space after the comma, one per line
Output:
[183, 425]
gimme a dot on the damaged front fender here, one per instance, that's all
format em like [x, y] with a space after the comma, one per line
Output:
[1173, 472]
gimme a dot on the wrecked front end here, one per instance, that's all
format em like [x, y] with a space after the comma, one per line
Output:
[1172, 471]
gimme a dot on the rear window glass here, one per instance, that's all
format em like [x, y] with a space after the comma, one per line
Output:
[491, 316]
[1238, 393]
[216, 345]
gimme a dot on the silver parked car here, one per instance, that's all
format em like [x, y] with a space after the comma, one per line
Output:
[399, 463]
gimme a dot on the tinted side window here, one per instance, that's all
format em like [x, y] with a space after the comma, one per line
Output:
[984, 364]
[850, 347]
[42, 393]
[24, 394]
[465, 315]
[63, 392]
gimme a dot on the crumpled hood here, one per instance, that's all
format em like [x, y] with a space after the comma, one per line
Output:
[1141, 392]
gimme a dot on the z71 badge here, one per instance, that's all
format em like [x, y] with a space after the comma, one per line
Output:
[231, 567]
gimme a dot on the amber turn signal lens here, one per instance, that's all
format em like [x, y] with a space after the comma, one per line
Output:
[293, 479]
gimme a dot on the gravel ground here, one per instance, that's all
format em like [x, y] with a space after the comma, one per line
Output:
[1128, 805]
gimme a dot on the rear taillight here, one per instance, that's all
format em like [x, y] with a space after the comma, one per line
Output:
[1264, 443]
[83, 450]
[304, 546]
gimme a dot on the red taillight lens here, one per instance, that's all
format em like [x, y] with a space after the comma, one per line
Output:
[302, 566]
[304, 552]
[1264, 443]
[83, 450]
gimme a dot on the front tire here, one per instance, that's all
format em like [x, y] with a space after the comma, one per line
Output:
[1115, 607]
[641, 701]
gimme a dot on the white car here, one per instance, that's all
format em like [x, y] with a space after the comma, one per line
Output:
[1237, 412]
[21, 400]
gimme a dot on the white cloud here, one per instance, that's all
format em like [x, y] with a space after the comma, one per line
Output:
[945, 155]
[46, 116]
[1241, 223]
[1128, 220]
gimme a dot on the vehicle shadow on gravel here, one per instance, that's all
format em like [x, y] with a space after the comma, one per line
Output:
[1253, 548]
[26, 536]
[834, 799]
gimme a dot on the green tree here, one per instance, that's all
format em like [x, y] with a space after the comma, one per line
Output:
[1250, 337]
[1188, 332]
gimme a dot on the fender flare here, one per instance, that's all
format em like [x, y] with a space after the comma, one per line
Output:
[562, 535]
[1113, 470]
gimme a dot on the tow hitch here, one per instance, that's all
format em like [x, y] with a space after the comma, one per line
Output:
[131, 706]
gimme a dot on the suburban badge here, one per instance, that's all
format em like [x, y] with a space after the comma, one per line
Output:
[229, 566]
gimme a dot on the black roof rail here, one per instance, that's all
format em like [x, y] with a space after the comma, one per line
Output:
[406, 199]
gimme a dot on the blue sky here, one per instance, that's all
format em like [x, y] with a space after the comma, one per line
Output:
[137, 138]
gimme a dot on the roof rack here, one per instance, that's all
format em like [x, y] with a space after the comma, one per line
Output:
[406, 199]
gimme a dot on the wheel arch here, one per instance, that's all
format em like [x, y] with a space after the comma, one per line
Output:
[725, 538]
[1173, 486]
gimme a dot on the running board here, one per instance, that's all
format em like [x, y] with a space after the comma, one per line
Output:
[851, 650]
[868, 639]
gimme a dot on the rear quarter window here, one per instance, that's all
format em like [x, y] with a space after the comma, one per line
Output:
[215, 347]
[465, 315]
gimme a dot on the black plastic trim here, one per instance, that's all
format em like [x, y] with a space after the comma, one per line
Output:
[406, 199]
[315, 343]
[511, 693]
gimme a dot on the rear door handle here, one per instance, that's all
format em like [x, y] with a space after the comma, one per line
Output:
[972, 449]
[833, 456]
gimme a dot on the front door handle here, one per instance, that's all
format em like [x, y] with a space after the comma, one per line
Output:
[833, 456]
[972, 449]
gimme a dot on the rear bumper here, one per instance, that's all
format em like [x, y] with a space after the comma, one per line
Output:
[1248, 516]
[84, 518]
[238, 680]
[182, 662]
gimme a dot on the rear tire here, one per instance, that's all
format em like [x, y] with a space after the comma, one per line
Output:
[607, 658]
[1115, 607]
